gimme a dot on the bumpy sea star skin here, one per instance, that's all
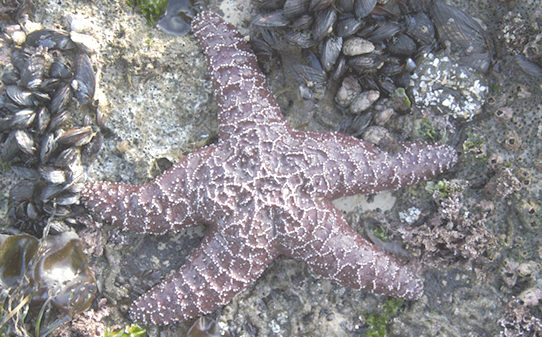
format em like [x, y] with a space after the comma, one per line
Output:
[265, 190]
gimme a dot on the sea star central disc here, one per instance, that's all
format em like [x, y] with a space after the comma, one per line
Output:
[264, 190]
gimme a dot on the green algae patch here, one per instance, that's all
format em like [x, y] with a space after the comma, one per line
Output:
[378, 322]
[152, 10]
[133, 330]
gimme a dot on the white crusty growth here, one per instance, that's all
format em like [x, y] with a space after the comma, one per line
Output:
[264, 190]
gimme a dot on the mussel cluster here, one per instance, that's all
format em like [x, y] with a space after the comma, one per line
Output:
[369, 48]
[46, 93]
[36, 273]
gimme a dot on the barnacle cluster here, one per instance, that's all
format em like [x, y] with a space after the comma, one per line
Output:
[46, 121]
[451, 88]
[522, 312]
[370, 49]
[39, 273]
[522, 36]
[455, 231]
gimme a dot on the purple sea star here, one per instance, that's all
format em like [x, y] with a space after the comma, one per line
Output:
[265, 190]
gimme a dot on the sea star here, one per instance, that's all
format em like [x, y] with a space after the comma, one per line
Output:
[265, 190]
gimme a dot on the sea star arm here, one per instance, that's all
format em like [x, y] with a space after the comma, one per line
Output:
[215, 273]
[326, 243]
[162, 205]
[342, 165]
[241, 92]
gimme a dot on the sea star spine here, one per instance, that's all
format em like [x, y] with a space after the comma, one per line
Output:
[335, 176]
[264, 190]
[240, 87]
[164, 204]
[354, 262]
